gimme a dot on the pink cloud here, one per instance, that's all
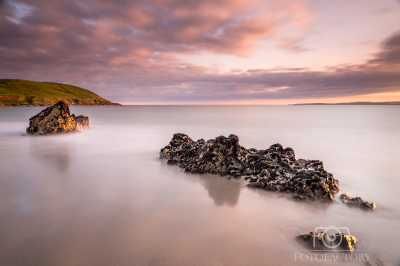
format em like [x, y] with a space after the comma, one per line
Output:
[125, 50]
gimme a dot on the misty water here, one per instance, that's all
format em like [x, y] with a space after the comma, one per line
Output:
[103, 197]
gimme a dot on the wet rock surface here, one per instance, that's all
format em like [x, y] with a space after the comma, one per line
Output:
[357, 202]
[55, 119]
[274, 169]
[319, 241]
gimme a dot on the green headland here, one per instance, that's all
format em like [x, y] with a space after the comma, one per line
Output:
[18, 92]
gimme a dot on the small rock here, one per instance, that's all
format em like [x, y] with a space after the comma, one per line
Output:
[357, 202]
[82, 122]
[322, 241]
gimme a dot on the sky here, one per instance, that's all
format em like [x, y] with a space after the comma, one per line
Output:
[208, 51]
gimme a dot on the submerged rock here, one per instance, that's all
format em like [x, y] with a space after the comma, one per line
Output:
[357, 202]
[322, 241]
[55, 119]
[273, 169]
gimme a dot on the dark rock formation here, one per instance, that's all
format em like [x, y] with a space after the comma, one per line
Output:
[273, 169]
[357, 202]
[82, 122]
[322, 241]
[54, 119]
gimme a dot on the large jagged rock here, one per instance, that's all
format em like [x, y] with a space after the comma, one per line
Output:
[272, 169]
[322, 241]
[54, 119]
[357, 202]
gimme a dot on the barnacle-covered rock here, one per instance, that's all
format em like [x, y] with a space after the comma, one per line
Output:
[273, 169]
[322, 241]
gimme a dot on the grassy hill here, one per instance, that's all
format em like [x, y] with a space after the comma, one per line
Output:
[18, 92]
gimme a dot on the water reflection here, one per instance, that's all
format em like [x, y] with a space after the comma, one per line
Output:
[52, 152]
[24, 206]
[223, 191]
[307, 205]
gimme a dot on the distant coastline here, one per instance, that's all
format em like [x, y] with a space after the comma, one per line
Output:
[352, 103]
[54, 101]
[18, 92]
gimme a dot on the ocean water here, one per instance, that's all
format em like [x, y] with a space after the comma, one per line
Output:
[103, 197]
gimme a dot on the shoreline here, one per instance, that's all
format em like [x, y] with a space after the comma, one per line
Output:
[352, 103]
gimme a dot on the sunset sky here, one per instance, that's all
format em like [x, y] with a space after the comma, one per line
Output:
[208, 51]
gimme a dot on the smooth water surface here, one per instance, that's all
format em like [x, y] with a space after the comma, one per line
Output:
[103, 197]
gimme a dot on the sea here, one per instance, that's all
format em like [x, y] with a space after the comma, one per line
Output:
[102, 196]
